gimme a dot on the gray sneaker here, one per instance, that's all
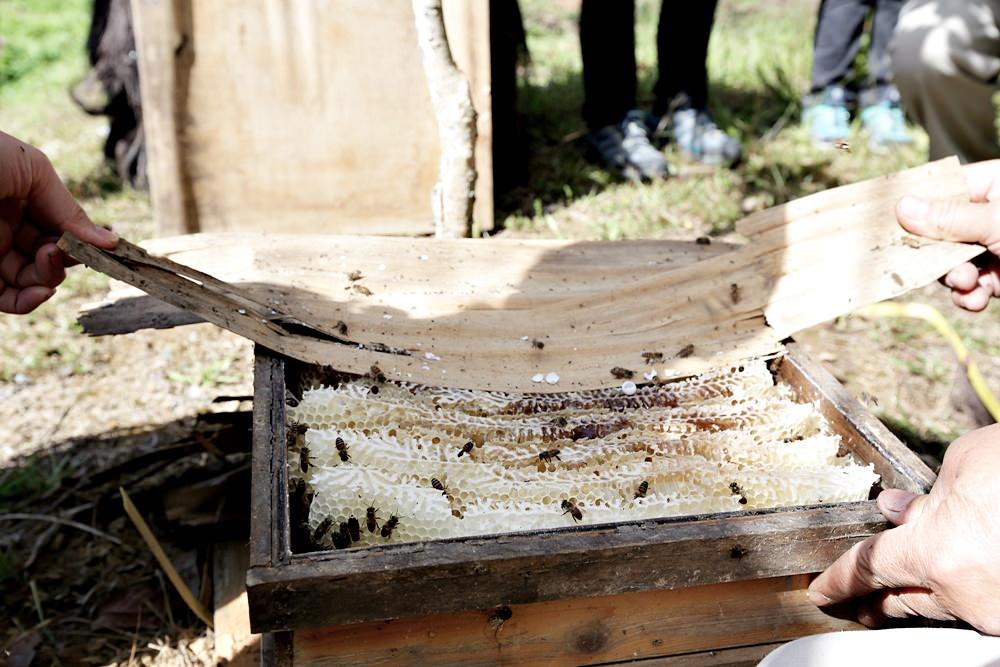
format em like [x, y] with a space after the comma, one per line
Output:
[627, 149]
[694, 131]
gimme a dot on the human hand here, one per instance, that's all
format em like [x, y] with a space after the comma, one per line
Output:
[940, 561]
[35, 208]
[977, 221]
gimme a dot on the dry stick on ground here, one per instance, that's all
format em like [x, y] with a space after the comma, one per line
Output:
[161, 557]
[454, 193]
[22, 516]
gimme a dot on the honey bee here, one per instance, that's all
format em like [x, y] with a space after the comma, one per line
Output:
[549, 454]
[301, 497]
[342, 538]
[390, 526]
[371, 519]
[436, 483]
[304, 459]
[537, 344]
[466, 449]
[869, 399]
[354, 528]
[296, 435]
[560, 422]
[341, 327]
[652, 357]
[571, 508]
[354, 276]
[734, 292]
[842, 145]
[703, 240]
[737, 490]
[500, 615]
[322, 529]
[643, 488]
[622, 373]
[686, 351]
[342, 450]
[361, 289]
[376, 374]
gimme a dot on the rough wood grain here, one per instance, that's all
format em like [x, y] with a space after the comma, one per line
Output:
[806, 262]
[326, 125]
[602, 630]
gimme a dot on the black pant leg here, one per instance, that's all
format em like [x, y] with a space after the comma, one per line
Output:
[838, 38]
[883, 27]
[607, 43]
[682, 46]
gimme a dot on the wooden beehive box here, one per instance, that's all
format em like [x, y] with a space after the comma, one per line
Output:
[718, 589]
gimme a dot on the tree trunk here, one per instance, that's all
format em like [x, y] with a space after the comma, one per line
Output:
[454, 194]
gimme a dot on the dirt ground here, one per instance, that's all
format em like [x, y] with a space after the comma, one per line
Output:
[80, 416]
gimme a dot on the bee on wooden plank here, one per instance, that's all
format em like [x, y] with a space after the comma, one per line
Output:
[390, 526]
[537, 344]
[361, 289]
[643, 488]
[622, 373]
[652, 357]
[371, 519]
[322, 529]
[570, 507]
[466, 449]
[436, 483]
[341, 327]
[342, 450]
[376, 374]
[734, 292]
[703, 240]
[686, 351]
[549, 454]
[354, 276]
[354, 528]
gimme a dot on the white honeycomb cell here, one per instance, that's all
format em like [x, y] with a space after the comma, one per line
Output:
[725, 441]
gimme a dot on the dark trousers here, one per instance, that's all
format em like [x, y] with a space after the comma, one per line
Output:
[607, 42]
[838, 38]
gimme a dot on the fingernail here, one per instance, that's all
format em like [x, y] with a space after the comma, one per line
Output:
[818, 598]
[898, 505]
[914, 209]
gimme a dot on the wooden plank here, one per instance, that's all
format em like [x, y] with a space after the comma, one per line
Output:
[584, 631]
[442, 333]
[317, 130]
[517, 568]
[234, 643]
[269, 500]
[862, 432]
[165, 55]
[743, 656]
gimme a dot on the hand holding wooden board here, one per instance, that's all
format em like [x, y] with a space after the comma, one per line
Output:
[546, 316]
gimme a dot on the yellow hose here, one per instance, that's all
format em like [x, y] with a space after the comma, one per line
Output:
[931, 315]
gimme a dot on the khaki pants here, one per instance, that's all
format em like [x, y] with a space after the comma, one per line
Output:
[945, 59]
[909, 647]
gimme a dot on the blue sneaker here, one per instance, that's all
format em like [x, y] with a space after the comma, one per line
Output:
[885, 124]
[697, 135]
[827, 117]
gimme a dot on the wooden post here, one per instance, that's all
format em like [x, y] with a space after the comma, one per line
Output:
[454, 194]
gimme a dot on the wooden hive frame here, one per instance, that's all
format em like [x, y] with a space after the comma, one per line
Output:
[675, 566]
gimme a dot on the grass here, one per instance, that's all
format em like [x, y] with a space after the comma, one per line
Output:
[759, 63]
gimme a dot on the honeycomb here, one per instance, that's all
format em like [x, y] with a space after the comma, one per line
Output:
[453, 463]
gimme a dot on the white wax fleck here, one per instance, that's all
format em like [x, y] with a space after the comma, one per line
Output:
[537, 377]
[628, 387]
[552, 378]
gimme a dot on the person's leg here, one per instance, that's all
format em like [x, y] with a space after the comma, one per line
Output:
[607, 44]
[945, 63]
[883, 27]
[913, 647]
[682, 36]
[838, 37]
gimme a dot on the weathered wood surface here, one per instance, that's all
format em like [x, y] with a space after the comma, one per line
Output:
[326, 125]
[473, 573]
[862, 432]
[806, 262]
[235, 645]
[601, 630]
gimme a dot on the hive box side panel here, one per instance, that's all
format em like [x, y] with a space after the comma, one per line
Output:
[303, 116]
[634, 626]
